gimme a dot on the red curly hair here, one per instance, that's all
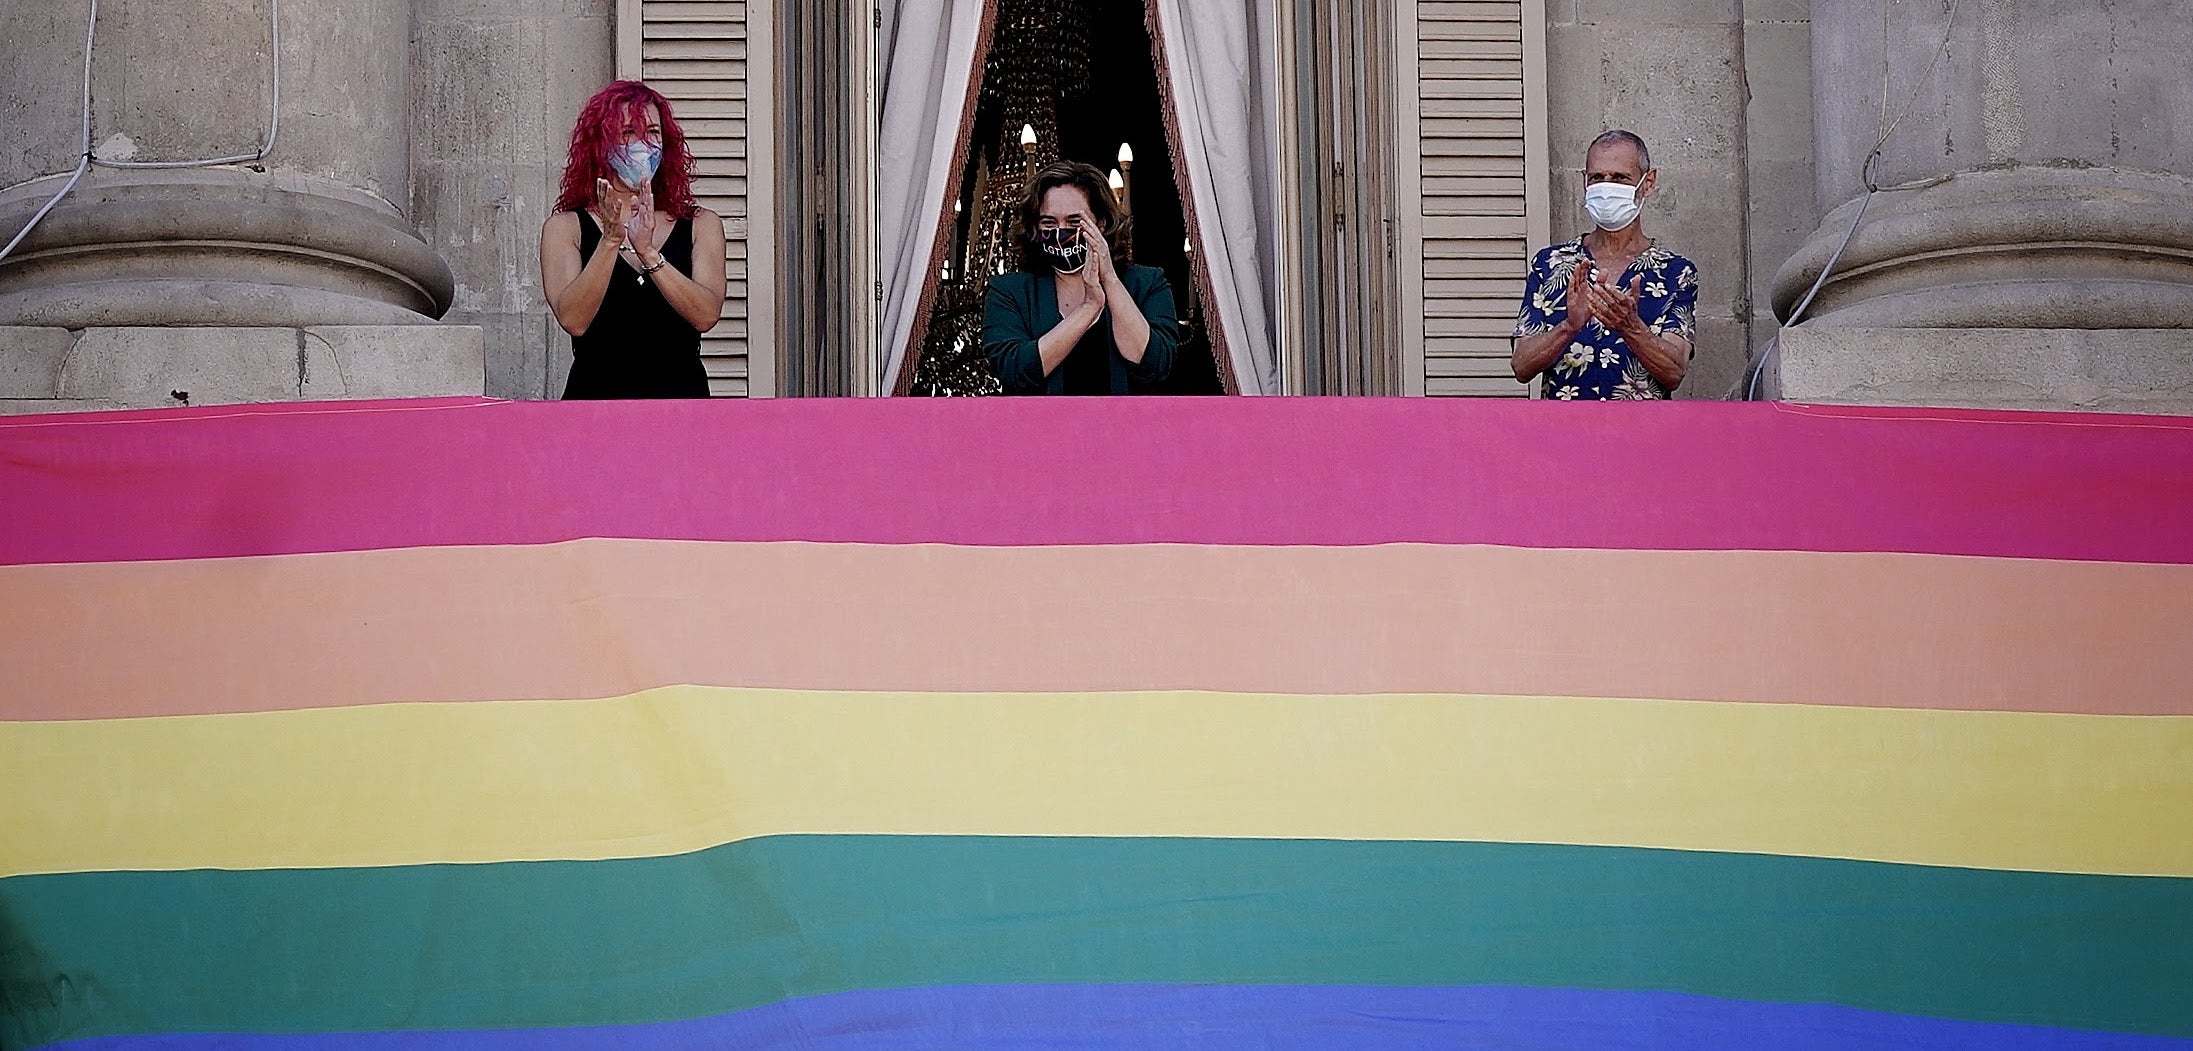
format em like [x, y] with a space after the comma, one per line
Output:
[620, 107]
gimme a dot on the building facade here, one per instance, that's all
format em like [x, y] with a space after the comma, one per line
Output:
[2022, 241]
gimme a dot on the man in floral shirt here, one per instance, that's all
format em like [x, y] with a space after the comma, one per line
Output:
[1610, 315]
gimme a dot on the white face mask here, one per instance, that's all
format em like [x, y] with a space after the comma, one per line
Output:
[1612, 205]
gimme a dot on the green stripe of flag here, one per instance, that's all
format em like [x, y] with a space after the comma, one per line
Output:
[606, 942]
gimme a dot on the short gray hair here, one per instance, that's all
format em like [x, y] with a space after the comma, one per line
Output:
[1609, 138]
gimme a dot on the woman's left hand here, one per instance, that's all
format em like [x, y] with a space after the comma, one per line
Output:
[1100, 250]
[640, 229]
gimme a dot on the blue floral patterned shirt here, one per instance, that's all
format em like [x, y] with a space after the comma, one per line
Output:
[1599, 365]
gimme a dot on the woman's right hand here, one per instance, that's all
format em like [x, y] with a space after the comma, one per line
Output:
[615, 209]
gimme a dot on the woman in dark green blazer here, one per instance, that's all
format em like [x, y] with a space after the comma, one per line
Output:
[1078, 317]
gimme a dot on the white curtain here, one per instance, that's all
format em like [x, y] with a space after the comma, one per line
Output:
[1223, 61]
[927, 52]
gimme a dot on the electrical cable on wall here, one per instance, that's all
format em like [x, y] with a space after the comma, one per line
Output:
[87, 160]
[1869, 172]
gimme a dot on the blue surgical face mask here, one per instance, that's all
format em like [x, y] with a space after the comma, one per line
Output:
[635, 163]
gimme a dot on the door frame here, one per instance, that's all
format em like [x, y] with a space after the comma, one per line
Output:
[828, 282]
[1342, 181]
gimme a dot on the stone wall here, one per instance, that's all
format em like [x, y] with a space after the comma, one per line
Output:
[1722, 91]
[86, 369]
[2042, 183]
[419, 149]
[495, 87]
[2034, 191]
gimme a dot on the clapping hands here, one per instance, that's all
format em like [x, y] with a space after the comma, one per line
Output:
[1098, 275]
[627, 218]
[1612, 305]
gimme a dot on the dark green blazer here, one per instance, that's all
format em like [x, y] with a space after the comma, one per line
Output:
[1022, 307]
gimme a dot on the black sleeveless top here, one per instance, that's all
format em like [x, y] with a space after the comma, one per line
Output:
[638, 346]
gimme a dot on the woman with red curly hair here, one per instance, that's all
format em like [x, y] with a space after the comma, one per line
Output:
[633, 268]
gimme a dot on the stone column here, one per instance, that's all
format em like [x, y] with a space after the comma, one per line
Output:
[2032, 246]
[233, 281]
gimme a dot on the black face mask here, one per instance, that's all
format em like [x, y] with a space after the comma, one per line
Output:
[1065, 247]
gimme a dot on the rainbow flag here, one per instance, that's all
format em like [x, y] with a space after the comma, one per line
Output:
[1096, 724]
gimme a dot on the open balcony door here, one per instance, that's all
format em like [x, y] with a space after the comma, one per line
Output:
[1218, 75]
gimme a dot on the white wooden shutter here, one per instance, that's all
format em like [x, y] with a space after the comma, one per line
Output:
[1479, 194]
[696, 53]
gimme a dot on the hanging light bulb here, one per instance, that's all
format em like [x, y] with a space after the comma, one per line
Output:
[1187, 245]
[1028, 154]
[1123, 176]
